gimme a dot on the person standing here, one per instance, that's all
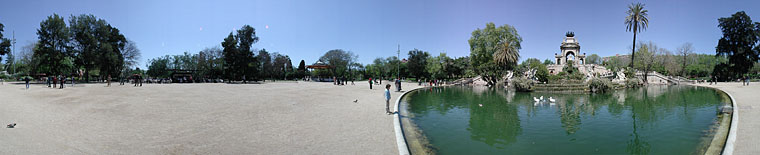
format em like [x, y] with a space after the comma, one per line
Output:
[121, 79]
[388, 99]
[109, 80]
[398, 84]
[370, 83]
[63, 81]
[49, 80]
[55, 81]
[26, 80]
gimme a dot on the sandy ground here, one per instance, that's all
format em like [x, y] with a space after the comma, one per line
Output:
[748, 101]
[271, 118]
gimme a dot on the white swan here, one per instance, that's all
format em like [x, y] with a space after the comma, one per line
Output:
[552, 99]
[535, 99]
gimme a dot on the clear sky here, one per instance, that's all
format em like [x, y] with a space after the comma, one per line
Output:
[307, 29]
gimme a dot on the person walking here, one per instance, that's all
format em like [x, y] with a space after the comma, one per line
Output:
[746, 80]
[388, 99]
[49, 80]
[26, 80]
[109, 80]
[370, 83]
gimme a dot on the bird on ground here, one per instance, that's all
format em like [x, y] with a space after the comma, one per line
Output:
[480, 105]
[535, 99]
[357, 100]
[552, 99]
[12, 125]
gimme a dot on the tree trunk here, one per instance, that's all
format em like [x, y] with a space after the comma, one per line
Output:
[633, 49]
[86, 75]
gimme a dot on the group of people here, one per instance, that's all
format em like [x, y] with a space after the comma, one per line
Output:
[342, 81]
[745, 81]
[55, 80]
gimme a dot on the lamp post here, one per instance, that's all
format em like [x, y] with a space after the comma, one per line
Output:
[398, 66]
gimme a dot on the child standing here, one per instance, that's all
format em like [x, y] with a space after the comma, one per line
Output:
[388, 99]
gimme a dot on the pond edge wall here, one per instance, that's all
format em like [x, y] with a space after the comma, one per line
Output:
[403, 148]
[728, 148]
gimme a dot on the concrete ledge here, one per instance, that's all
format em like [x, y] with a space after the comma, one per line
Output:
[403, 148]
[728, 149]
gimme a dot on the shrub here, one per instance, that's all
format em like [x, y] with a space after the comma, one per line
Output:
[522, 84]
[629, 73]
[600, 85]
[632, 83]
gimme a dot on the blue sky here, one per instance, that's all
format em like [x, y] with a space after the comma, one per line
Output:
[307, 29]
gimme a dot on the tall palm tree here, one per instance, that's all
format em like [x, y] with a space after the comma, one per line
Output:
[636, 21]
[506, 55]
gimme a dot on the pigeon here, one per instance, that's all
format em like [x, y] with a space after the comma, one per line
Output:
[357, 100]
[12, 125]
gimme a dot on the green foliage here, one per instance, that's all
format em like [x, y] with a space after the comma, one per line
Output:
[52, 47]
[593, 59]
[159, 67]
[541, 74]
[523, 84]
[739, 43]
[438, 67]
[632, 82]
[417, 63]
[5, 43]
[491, 44]
[570, 72]
[629, 72]
[339, 60]
[239, 61]
[600, 85]
[548, 62]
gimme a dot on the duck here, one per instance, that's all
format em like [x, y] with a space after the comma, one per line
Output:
[552, 99]
[542, 98]
[535, 99]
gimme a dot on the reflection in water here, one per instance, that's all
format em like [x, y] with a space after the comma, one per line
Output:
[656, 120]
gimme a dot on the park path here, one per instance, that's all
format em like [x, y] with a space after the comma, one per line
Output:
[748, 101]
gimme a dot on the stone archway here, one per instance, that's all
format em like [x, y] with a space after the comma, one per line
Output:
[569, 55]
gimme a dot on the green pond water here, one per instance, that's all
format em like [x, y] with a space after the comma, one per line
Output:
[478, 120]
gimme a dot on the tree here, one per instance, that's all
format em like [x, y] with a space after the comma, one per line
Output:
[739, 43]
[52, 46]
[131, 54]
[648, 58]
[5, 43]
[493, 50]
[339, 60]
[548, 62]
[435, 66]
[593, 59]
[636, 21]
[417, 63]
[685, 51]
[159, 67]
[302, 66]
[98, 45]
[265, 61]
[239, 61]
